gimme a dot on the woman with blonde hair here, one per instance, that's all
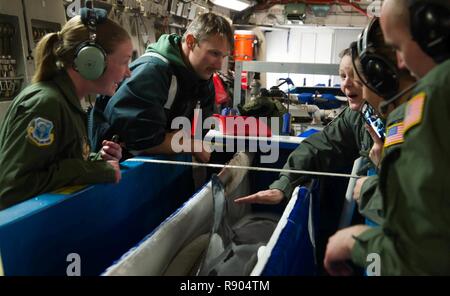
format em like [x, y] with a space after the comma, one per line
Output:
[43, 139]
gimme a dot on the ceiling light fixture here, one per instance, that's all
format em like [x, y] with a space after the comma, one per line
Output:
[238, 5]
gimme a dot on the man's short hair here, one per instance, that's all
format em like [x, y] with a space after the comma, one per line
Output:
[208, 24]
[400, 10]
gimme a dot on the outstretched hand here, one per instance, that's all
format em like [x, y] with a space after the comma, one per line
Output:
[271, 196]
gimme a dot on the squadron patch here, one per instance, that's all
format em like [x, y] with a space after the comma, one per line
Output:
[39, 132]
[394, 135]
[414, 111]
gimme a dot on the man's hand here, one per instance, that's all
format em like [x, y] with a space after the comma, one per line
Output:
[111, 151]
[339, 250]
[377, 148]
[201, 151]
[271, 197]
[357, 189]
[116, 167]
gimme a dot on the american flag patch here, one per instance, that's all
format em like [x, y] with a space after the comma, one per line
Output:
[394, 135]
[414, 111]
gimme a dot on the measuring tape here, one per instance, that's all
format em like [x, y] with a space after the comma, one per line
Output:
[261, 169]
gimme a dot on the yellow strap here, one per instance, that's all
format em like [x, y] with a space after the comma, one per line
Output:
[1, 266]
[69, 189]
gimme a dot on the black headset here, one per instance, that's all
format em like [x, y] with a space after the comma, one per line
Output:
[380, 74]
[430, 27]
[90, 57]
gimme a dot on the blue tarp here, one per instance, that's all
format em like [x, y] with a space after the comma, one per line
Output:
[99, 222]
[293, 253]
[325, 101]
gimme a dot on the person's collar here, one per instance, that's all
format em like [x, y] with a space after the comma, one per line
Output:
[444, 65]
[66, 86]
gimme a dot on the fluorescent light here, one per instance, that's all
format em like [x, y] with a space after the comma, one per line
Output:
[238, 5]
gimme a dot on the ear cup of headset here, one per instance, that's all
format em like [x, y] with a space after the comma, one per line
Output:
[90, 61]
[90, 57]
[430, 28]
[382, 76]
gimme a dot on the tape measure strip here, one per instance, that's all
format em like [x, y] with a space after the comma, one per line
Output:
[214, 165]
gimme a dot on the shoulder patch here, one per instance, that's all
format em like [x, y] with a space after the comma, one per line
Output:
[394, 134]
[39, 132]
[414, 110]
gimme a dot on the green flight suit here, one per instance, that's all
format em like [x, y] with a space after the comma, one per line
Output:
[44, 144]
[336, 147]
[371, 200]
[415, 237]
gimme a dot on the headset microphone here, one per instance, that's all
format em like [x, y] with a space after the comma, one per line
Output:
[382, 108]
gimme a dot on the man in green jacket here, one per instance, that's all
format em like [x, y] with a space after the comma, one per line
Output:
[168, 81]
[371, 51]
[414, 239]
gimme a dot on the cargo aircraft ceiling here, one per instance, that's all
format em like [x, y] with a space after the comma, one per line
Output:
[320, 12]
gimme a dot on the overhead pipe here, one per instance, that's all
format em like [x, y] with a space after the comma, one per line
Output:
[357, 7]
[351, 3]
[27, 33]
[274, 2]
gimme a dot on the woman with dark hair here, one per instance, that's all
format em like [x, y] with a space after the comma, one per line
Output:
[375, 63]
[337, 146]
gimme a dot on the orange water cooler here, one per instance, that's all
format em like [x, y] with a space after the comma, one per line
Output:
[244, 47]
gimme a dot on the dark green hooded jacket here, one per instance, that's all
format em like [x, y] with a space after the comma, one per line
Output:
[160, 88]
